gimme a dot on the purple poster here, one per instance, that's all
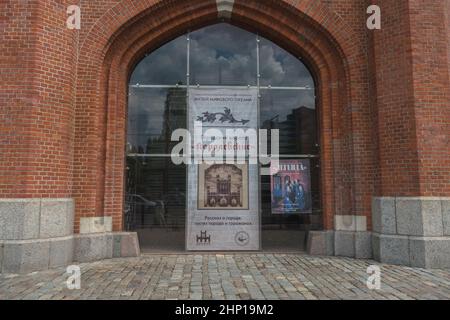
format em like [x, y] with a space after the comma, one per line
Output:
[291, 187]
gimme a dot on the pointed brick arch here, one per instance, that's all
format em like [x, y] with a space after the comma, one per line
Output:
[306, 28]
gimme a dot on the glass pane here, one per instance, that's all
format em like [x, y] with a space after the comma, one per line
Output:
[293, 113]
[286, 222]
[155, 202]
[222, 54]
[153, 114]
[166, 65]
[279, 68]
[155, 195]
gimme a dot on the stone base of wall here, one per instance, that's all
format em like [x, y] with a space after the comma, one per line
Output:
[349, 238]
[353, 244]
[37, 234]
[421, 252]
[409, 231]
[320, 243]
[92, 247]
[24, 256]
[412, 231]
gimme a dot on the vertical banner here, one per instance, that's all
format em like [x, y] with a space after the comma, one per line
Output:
[223, 203]
[291, 187]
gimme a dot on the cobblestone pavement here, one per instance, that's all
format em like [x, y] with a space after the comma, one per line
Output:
[229, 276]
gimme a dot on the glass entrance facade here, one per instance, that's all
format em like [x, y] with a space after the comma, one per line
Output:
[218, 56]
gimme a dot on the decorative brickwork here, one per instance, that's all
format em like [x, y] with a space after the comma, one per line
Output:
[383, 95]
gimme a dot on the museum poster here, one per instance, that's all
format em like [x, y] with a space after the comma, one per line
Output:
[291, 187]
[223, 206]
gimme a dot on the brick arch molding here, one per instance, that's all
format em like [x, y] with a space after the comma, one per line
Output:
[119, 39]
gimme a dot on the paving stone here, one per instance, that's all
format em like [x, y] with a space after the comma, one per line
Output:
[230, 276]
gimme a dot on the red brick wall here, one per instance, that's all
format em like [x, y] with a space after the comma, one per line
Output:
[431, 92]
[383, 95]
[413, 98]
[37, 76]
[396, 125]
[327, 43]
[447, 11]
[447, 16]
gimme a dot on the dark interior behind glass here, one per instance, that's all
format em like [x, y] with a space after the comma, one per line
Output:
[220, 55]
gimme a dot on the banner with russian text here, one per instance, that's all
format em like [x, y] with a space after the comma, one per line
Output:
[223, 201]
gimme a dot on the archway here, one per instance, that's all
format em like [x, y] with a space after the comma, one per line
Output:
[128, 32]
[221, 56]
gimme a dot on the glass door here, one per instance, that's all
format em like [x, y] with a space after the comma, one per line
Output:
[219, 56]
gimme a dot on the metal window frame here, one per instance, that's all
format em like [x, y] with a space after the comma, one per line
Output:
[259, 88]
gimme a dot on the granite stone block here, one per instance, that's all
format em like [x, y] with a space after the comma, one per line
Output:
[344, 243]
[431, 252]
[19, 219]
[320, 243]
[394, 249]
[56, 219]
[129, 245]
[383, 215]
[91, 247]
[446, 216]
[363, 245]
[25, 256]
[61, 251]
[419, 217]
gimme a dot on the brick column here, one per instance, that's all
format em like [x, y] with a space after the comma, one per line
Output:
[38, 79]
[37, 96]
[411, 215]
